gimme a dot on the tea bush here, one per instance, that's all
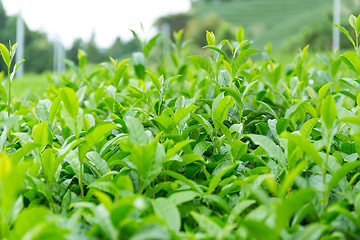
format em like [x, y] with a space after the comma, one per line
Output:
[189, 148]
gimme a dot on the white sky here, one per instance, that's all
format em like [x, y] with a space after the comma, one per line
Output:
[71, 19]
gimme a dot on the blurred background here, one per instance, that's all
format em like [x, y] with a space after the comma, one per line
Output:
[54, 30]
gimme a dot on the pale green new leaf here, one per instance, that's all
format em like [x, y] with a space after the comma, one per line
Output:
[328, 111]
[70, 101]
[5, 54]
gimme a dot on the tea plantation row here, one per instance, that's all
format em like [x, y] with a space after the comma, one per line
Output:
[191, 147]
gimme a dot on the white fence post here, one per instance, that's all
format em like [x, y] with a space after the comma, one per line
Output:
[59, 55]
[336, 20]
[20, 39]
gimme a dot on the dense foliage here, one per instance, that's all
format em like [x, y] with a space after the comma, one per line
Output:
[190, 147]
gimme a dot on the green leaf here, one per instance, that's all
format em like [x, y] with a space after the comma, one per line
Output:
[241, 59]
[148, 160]
[154, 79]
[23, 151]
[171, 152]
[211, 228]
[307, 127]
[137, 133]
[240, 34]
[51, 165]
[193, 185]
[203, 63]
[221, 111]
[357, 24]
[168, 211]
[82, 58]
[352, 21]
[351, 59]
[54, 108]
[270, 147]
[290, 112]
[210, 37]
[272, 112]
[95, 136]
[343, 30]
[259, 230]
[9, 124]
[222, 52]
[205, 124]
[305, 145]
[182, 196]
[312, 232]
[282, 125]
[5, 54]
[328, 111]
[290, 178]
[290, 205]
[350, 119]
[215, 180]
[341, 173]
[234, 93]
[40, 134]
[219, 202]
[16, 67]
[70, 101]
[3, 95]
[150, 45]
[239, 208]
[182, 113]
[224, 78]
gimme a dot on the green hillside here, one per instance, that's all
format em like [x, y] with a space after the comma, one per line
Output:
[270, 20]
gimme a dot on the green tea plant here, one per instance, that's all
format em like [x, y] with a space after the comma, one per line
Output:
[8, 57]
[218, 146]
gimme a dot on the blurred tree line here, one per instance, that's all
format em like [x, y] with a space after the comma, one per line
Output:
[39, 50]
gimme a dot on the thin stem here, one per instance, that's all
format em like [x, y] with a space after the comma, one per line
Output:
[325, 167]
[9, 97]
[80, 181]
